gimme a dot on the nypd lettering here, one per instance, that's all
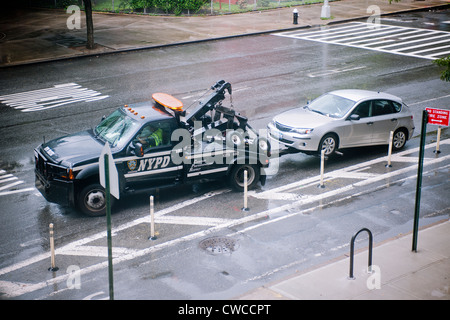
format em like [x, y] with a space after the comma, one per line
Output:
[148, 166]
[153, 163]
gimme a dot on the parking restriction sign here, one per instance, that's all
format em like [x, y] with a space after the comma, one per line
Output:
[438, 117]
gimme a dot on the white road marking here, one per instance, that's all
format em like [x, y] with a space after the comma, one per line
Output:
[370, 38]
[58, 95]
[4, 177]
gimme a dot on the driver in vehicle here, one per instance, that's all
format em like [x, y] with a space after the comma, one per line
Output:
[150, 137]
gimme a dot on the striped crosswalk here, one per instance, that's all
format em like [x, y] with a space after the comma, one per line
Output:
[9, 184]
[413, 42]
[56, 96]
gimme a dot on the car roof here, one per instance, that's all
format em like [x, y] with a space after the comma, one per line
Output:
[147, 111]
[358, 95]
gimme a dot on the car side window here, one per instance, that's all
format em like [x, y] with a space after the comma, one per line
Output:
[363, 109]
[397, 106]
[154, 134]
[381, 107]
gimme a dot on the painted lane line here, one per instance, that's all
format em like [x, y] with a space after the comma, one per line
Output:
[96, 251]
[186, 220]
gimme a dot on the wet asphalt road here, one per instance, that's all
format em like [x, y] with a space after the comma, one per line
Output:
[269, 74]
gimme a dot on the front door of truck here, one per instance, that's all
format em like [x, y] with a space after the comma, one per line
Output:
[155, 168]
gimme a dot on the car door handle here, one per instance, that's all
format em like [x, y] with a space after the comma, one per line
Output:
[369, 123]
[394, 120]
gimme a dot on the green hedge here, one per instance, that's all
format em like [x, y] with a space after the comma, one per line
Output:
[168, 6]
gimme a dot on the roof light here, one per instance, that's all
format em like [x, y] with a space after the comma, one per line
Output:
[168, 101]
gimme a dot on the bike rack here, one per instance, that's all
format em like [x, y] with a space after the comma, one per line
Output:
[352, 251]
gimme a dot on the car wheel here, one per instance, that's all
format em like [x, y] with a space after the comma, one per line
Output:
[236, 176]
[398, 140]
[92, 200]
[329, 144]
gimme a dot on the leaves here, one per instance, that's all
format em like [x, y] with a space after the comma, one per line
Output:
[444, 62]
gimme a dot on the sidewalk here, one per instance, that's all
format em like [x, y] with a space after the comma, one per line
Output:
[399, 273]
[30, 36]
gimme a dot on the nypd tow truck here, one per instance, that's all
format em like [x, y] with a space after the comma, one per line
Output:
[154, 144]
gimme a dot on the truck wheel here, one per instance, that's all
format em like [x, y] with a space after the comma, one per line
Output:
[92, 200]
[236, 176]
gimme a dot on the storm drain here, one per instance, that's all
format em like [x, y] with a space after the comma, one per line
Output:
[218, 245]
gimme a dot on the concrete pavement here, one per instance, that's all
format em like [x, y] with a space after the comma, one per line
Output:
[37, 35]
[398, 273]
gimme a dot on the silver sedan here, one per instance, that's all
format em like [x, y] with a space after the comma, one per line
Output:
[344, 119]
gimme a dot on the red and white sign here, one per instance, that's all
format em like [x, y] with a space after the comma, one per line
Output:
[438, 116]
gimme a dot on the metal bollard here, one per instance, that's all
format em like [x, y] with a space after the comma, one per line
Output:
[152, 220]
[245, 208]
[322, 168]
[52, 250]
[295, 15]
[391, 136]
[437, 151]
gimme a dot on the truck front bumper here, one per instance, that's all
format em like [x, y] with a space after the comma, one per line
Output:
[55, 191]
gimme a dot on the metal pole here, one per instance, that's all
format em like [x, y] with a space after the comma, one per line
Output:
[108, 225]
[352, 252]
[391, 137]
[322, 168]
[438, 140]
[52, 250]
[245, 208]
[152, 220]
[419, 179]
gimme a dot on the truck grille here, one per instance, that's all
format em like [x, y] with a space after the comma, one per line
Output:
[40, 164]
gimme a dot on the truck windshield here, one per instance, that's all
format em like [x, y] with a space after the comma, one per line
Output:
[117, 129]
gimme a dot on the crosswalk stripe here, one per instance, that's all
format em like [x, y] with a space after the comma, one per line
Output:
[7, 189]
[56, 96]
[379, 37]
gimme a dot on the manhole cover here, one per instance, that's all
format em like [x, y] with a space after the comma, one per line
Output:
[218, 245]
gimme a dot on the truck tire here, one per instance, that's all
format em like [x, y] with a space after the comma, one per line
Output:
[92, 200]
[236, 176]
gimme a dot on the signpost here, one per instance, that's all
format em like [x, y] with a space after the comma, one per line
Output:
[439, 117]
[432, 116]
[109, 179]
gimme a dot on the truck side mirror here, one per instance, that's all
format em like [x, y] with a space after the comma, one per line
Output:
[135, 149]
[138, 149]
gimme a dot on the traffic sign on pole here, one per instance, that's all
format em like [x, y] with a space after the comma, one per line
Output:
[113, 175]
[439, 117]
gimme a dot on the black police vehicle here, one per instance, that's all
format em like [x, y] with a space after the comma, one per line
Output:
[154, 145]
